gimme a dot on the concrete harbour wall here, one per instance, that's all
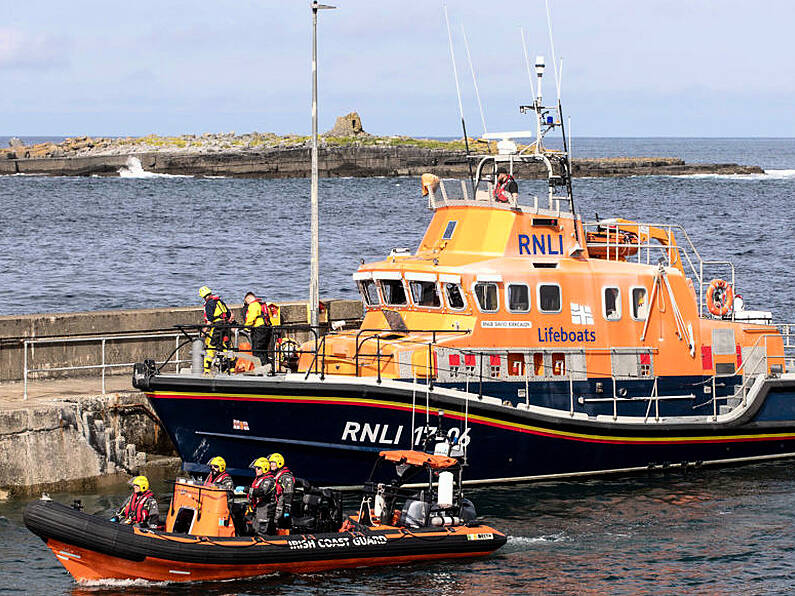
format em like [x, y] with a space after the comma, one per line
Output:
[69, 435]
[57, 444]
[83, 326]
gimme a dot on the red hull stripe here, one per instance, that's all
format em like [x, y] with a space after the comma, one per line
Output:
[486, 421]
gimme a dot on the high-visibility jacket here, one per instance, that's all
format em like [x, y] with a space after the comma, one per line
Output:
[257, 314]
[216, 310]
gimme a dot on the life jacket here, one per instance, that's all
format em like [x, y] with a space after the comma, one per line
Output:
[501, 194]
[258, 481]
[135, 510]
[215, 481]
[274, 314]
[263, 316]
[278, 476]
[216, 310]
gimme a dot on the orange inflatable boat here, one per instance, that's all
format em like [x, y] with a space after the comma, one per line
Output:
[201, 542]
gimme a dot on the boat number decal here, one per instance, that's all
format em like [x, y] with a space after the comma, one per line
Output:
[358, 432]
[506, 324]
[542, 244]
[337, 542]
[240, 425]
[486, 536]
[454, 435]
[371, 433]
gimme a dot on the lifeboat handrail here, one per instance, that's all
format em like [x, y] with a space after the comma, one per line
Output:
[555, 180]
[696, 269]
[787, 331]
[435, 367]
[407, 332]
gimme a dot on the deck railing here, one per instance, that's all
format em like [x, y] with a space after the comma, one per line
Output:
[616, 249]
[101, 342]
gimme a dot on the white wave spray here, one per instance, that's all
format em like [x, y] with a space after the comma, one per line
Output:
[134, 169]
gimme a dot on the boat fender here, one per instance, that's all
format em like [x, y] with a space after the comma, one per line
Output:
[720, 297]
[380, 502]
[445, 499]
[445, 520]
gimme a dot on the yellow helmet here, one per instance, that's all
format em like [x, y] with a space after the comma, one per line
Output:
[204, 291]
[276, 458]
[140, 481]
[218, 461]
[261, 462]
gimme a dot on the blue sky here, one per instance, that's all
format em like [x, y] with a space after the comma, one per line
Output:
[632, 68]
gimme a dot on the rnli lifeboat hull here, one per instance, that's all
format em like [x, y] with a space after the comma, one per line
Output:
[356, 420]
[92, 549]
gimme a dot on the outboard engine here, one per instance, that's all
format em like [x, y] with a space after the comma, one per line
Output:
[414, 512]
[315, 509]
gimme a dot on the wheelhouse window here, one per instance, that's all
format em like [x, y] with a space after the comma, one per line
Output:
[518, 298]
[640, 307]
[369, 292]
[425, 293]
[549, 299]
[611, 304]
[448, 231]
[394, 292]
[455, 297]
[486, 294]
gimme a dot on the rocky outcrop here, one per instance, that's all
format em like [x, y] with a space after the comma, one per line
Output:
[335, 161]
[345, 150]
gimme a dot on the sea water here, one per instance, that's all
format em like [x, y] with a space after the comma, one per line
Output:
[707, 531]
[70, 244]
[142, 240]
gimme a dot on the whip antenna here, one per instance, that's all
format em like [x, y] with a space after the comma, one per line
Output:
[552, 47]
[474, 79]
[570, 145]
[527, 64]
[458, 92]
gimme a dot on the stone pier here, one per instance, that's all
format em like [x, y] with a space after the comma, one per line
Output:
[68, 433]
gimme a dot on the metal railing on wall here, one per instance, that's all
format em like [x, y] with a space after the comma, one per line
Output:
[102, 340]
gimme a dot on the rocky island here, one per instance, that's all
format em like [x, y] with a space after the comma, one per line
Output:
[345, 150]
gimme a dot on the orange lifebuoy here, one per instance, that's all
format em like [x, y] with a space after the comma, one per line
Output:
[720, 297]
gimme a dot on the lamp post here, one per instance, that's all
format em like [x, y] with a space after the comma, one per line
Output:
[314, 297]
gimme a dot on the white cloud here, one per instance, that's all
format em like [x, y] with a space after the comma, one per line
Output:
[23, 50]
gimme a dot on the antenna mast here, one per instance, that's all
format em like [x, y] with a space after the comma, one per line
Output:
[527, 64]
[458, 92]
[474, 79]
[558, 75]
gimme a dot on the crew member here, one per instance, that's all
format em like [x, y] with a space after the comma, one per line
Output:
[261, 497]
[140, 508]
[285, 483]
[258, 321]
[218, 475]
[506, 187]
[217, 315]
